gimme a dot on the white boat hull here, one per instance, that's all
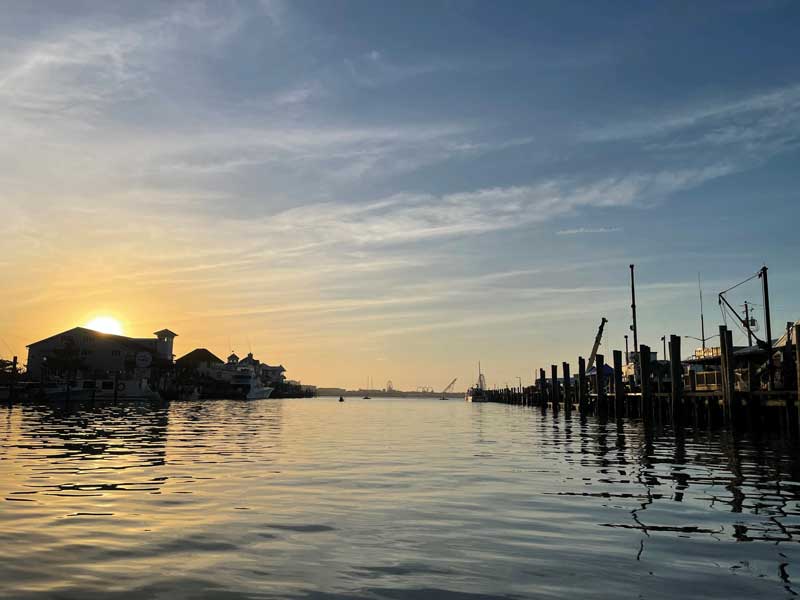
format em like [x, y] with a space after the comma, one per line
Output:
[126, 390]
[472, 398]
[260, 393]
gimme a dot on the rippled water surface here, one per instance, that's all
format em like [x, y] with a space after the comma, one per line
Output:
[387, 499]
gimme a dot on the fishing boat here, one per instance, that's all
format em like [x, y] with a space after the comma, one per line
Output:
[477, 393]
[248, 383]
[258, 391]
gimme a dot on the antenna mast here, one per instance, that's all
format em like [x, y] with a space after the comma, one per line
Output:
[702, 318]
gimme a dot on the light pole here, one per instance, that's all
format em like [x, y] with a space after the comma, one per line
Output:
[702, 340]
[633, 325]
[664, 340]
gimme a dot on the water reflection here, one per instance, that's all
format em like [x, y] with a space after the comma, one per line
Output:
[388, 499]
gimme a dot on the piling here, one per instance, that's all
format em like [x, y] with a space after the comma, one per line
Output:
[786, 356]
[116, 385]
[676, 374]
[724, 359]
[582, 393]
[567, 388]
[542, 388]
[599, 364]
[797, 367]
[619, 389]
[731, 373]
[556, 389]
[12, 381]
[644, 368]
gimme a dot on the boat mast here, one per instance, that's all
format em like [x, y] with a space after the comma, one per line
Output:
[702, 318]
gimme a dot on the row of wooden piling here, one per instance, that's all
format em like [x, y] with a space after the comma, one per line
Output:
[619, 397]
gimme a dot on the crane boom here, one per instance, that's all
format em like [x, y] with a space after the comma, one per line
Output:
[596, 343]
[449, 386]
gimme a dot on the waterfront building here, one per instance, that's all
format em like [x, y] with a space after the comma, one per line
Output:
[90, 353]
[200, 361]
[273, 375]
[268, 374]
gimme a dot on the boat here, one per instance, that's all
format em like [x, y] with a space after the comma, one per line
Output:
[477, 393]
[62, 390]
[249, 384]
[258, 391]
[120, 389]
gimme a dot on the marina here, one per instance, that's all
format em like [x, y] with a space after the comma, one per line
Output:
[756, 385]
[423, 300]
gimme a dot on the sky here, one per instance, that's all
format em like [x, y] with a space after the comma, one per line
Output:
[396, 190]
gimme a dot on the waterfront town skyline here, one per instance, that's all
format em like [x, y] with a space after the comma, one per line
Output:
[348, 189]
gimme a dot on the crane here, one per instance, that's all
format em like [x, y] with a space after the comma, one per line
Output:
[596, 343]
[449, 387]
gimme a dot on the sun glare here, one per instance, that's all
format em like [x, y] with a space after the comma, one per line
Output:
[105, 325]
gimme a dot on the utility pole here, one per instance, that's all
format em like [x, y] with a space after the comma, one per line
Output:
[633, 327]
[626, 349]
[664, 341]
[747, 320]
[765, 284]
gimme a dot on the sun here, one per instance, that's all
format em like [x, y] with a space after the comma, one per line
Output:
[105, 324]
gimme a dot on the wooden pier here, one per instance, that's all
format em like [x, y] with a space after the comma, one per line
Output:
[678, 401]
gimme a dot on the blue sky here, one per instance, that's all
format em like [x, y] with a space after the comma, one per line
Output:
[395, 190]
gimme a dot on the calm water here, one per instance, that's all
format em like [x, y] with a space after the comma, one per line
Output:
[387, 499]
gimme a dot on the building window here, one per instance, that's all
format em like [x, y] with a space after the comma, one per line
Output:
[115, 353]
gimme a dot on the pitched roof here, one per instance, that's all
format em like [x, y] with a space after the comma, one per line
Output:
[166, 333]
[249, 360]
[134, 344]
[197, 356]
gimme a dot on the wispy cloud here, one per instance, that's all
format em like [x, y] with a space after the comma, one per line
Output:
[588, 230]
[771, 118]
[414, 217]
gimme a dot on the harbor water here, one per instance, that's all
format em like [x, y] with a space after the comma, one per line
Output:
[388, 498]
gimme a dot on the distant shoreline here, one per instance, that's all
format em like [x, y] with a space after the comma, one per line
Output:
[334, 393]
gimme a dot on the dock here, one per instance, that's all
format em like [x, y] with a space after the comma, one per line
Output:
[682, 403]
